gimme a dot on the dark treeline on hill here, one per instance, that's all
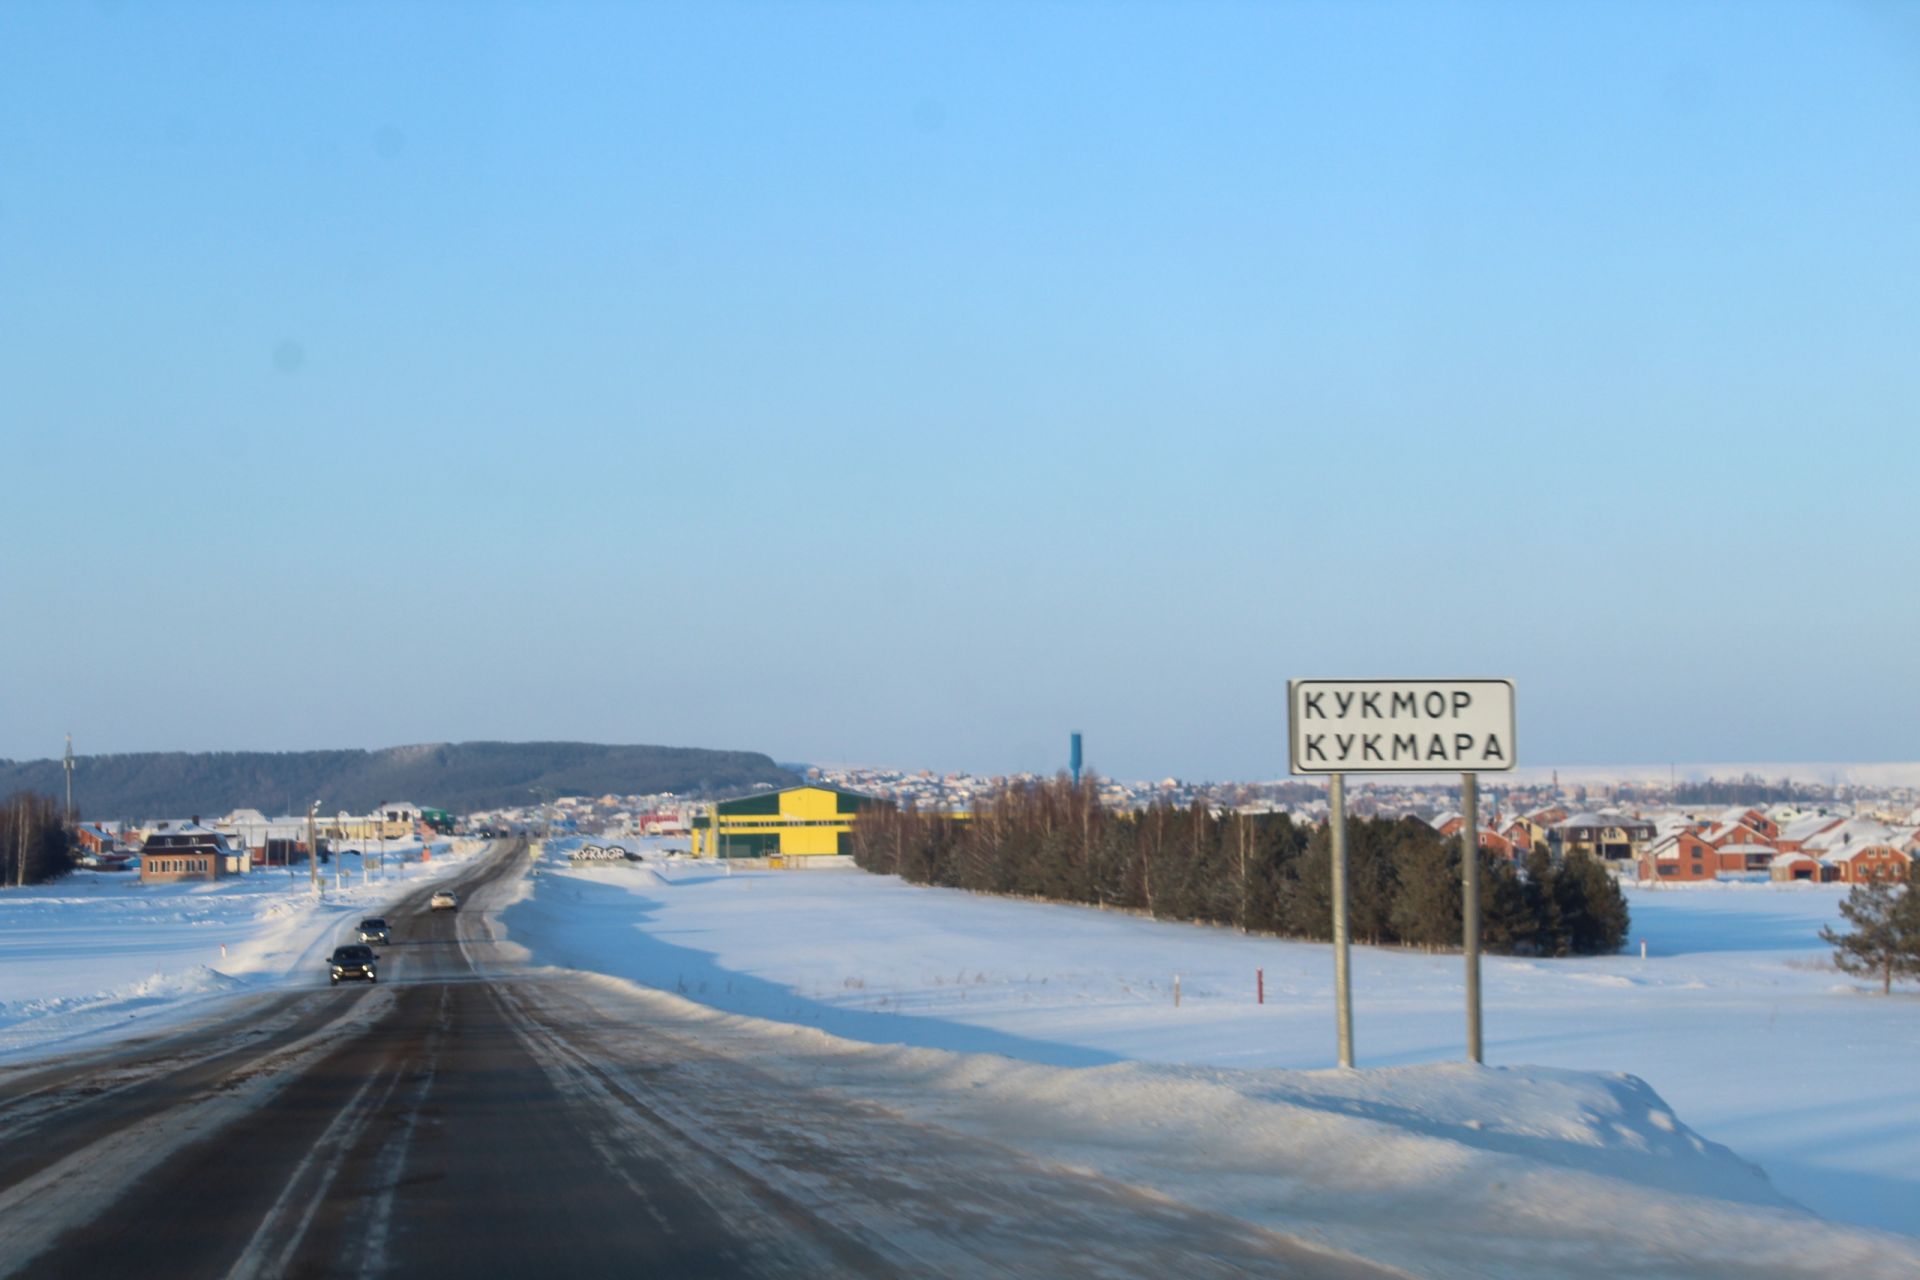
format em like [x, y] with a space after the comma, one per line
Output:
[460, 777]
[33, 840]
[1745, 790]
[1257, 872]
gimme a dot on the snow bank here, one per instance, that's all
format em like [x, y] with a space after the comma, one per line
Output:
[1448, 1171]
[100, 953]
[1732, 1015]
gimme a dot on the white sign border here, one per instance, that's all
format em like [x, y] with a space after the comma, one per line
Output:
[1293, 725]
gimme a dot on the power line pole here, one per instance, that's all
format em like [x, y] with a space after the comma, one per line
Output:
[313, 846]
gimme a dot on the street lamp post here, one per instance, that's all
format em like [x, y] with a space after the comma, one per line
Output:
[313, 846]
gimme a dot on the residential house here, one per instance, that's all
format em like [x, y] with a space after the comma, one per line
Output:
[1679, 855]
[1608, 837]
[1796, 833]
[1862, 863]
[190, 852]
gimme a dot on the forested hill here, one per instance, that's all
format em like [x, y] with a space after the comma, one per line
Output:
[458, 776]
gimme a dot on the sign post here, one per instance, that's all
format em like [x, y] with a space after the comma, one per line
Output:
[1342, 976]
[1337, 727]
[1470, 905]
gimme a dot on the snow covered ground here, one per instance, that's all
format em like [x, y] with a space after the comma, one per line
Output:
[1052, 1029]
[1735, 1017]
[98, 951]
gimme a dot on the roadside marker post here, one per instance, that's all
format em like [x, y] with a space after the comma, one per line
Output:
[1337, 727]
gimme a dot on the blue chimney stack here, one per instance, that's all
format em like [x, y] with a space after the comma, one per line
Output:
[1076, 759]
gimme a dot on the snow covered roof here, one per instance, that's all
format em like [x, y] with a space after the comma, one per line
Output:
[1581, 821]
[1854, 831]
[1810, 825]
[1852, 851]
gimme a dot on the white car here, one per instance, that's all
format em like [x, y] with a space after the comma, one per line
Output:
[443, 901]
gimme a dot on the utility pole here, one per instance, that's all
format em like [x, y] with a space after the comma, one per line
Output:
[313, 847]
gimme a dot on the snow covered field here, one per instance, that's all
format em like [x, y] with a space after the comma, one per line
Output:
[1735, 1017]
[91, 953]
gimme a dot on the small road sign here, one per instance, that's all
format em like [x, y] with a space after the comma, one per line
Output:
[1400, 726]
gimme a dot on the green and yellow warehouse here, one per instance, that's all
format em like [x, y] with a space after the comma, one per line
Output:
[799, 822]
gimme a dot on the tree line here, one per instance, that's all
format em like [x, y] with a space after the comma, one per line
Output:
[1746, 789]
[33, 839]
[1258, 872]
[459, 776]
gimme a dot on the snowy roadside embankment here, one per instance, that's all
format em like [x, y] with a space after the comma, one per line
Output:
[1445, 1171]
[98, 953]
[1736, 1018]
[1441, 1170]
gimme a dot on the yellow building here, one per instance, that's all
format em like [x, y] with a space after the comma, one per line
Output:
[799, 822]
[374, 826]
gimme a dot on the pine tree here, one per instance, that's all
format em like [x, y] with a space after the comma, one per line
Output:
[1593, 910]
[1884, 941]
[1506, 919]
[1427, 891]
[1543, 904]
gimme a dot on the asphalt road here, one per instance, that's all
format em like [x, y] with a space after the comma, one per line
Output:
[450, 1122]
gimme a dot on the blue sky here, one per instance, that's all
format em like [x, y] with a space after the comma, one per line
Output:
[918, 383]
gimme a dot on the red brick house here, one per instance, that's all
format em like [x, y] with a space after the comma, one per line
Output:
[1523, 834]
[1867, 862]
[1796, 835]
[1744, 859]
[95, 839]
[1498, 845]
[1680, 856]
[1755, 821]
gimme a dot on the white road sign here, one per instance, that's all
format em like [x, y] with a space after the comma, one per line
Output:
[1400, 726]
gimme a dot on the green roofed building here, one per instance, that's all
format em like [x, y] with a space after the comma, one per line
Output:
[799, 822]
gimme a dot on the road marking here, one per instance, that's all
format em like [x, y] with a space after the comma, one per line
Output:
[331, 1147]
[84, 1185]
[392, 1160]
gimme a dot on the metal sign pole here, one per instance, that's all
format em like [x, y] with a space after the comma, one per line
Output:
[1342, 983]
[1470, 904]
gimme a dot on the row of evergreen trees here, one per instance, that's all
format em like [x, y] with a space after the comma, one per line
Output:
[33, 839]
[1257, 872]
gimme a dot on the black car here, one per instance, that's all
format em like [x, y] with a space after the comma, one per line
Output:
[354, 961]
[375, 930]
